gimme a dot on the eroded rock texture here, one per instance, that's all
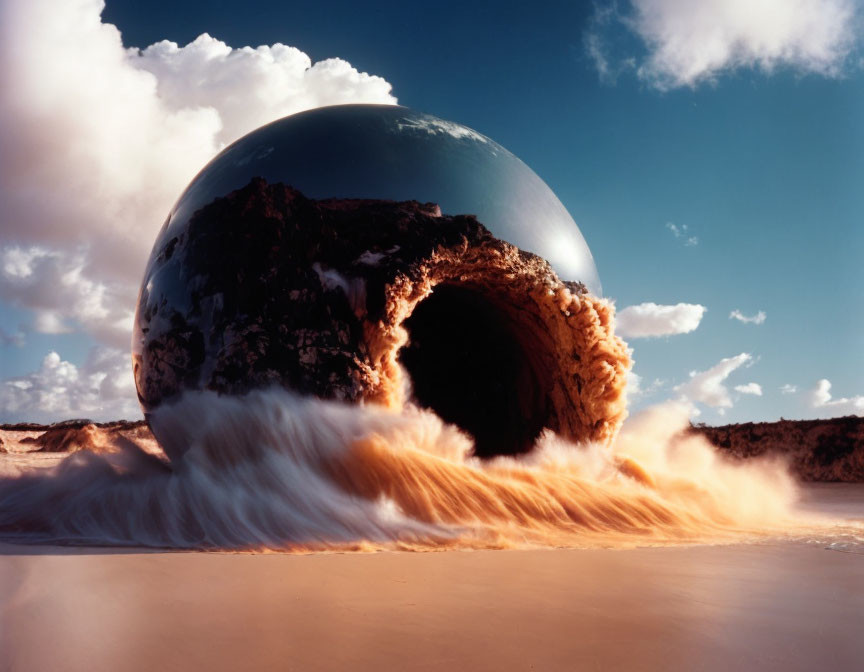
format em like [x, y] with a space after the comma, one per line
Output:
[71, 436]
[817, 450]
[266, 286]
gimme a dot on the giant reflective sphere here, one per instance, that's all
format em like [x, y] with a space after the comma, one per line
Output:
[391, 152]
[295, 256]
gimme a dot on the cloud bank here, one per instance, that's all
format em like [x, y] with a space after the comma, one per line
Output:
[687, 43]
[99, 140]
[650, 320]
[101, 389]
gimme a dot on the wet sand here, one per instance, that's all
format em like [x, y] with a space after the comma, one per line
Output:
[768, 606]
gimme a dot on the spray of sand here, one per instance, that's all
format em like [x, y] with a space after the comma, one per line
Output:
[272, 470]
[276, 470]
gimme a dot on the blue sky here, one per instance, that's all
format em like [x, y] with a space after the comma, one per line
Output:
[755, 161]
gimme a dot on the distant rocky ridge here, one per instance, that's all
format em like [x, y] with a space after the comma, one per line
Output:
[114, 425]
[71, 436]
[817, 450]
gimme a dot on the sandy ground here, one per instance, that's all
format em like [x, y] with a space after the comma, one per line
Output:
[771, 606]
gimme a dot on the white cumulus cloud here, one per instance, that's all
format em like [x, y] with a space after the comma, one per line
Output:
[647, 320]
[99, 140]
[52, 284]
[788, 389]
[707, 387]
[820, 398]
[750, 388]
[688, 42]
[758, 318]
[101, 389]
[249, 86]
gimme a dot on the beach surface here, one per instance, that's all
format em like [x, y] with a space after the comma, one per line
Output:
[784, 605]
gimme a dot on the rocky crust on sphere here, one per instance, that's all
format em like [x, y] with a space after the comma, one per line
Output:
[267, 287]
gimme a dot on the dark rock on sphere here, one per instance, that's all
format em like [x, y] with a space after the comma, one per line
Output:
[275, 277]
[337, 297]
[373, 253]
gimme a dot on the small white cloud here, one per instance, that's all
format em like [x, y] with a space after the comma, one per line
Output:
[50, 322]
[758, 318]
[637, 390]
[681, 233]
[707, 386]
[688, 43]
[602, 41]
[648, 320]
[750, 388]
[634, 385]
[820, 398]
[17, 262]
[597, 53]
[788, 389]
[597, 43]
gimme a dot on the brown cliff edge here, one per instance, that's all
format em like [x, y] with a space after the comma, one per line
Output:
[817, 450]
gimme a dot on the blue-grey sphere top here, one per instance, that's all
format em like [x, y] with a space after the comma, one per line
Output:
[392, 152]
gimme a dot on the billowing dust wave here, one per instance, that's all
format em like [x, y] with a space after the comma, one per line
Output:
[272, 470]
[275, 470]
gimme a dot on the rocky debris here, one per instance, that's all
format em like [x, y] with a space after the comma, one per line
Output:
[267, 287]
[66, 440]
[72, 436]
[818, 450]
